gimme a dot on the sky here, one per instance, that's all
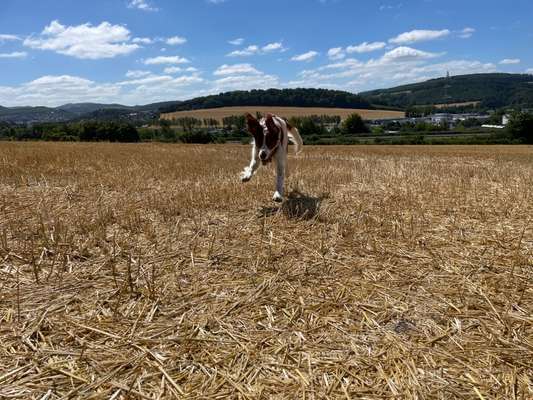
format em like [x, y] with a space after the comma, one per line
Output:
[132, 52]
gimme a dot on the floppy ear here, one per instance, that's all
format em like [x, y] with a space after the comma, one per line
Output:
[271, 125]
[253, 125]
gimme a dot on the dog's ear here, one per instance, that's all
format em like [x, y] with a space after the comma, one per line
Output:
[253, 124]
[271, 125]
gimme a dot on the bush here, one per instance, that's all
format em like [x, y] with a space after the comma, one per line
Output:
[354, 124]
[520, 127]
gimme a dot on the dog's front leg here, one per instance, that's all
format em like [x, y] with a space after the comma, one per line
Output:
[280, 178]
[249, 171]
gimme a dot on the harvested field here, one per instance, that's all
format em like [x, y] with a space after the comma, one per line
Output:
[287, 112]
[464, 104]
[148, 271]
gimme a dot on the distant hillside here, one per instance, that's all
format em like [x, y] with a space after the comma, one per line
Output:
[83, 111]
[490, 90]
[274, 97]
[484, 90]
[84, 108]
[32, 114]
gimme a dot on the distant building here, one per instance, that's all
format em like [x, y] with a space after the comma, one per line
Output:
[505, 119]
[493, 126]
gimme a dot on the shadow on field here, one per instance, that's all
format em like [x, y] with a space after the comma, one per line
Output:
[296, 206]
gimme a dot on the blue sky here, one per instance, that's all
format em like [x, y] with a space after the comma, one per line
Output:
[140, 51]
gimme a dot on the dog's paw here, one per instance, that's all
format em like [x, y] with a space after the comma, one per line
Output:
[278, 198]
[245, 176]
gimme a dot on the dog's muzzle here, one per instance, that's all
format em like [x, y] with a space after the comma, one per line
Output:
[263, 156]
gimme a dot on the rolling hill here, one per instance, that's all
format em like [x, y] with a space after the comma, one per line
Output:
[274, 98]
[483, 90]
[490, 90]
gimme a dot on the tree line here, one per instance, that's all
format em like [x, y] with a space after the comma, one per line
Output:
[274, 97]
[314, 129]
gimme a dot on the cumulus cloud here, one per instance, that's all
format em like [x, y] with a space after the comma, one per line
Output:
[336, 53]
[510, 61]
[404, 53]
[255, 50]
[166, 60]
[137, 73]
[56, 90]
[365, 47]
[398, 66]
[142, 5]
[277, 46]
[248, 51]
[50, 90]
[529, 71]
[235, 69]
[7, 37]
[175, 40]
[174, 70]
[246, 82]
[419, 35]
[236, 42]
[466, 33]
[84, 41]
[306, 57]
[142, 40]
[15, 54]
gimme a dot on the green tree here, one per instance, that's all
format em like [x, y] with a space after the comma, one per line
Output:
[521, 127]
[354, 124]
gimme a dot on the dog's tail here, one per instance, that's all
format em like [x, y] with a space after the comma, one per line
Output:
[295, 138]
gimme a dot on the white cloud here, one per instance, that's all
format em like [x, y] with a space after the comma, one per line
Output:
[309, 56]
[216, 1]
[365, 47]
[245, 82]
[419, 35]
[236, 42]
[142, 40]
[394, 68]
[166, 60]
[174, 70]
[336, 53]
[147, 80]
[137, 73]
[277, 46]
[255, 50]
[510, 61]
[15, 54]
[56, 90]
[248, 51]
[6, 37]
[236, 69]
[84, 41]
[404, 53]
[466, 33]
[175, 40]
[141, 5]
[529, 71]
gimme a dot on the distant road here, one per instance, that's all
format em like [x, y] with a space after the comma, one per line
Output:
[219, 113]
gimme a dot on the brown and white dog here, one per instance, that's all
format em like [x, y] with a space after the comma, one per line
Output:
[271, 136]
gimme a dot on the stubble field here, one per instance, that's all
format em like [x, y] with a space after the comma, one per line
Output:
[286, 112]
[150, 272]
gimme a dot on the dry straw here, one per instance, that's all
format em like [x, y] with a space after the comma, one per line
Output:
[150, 272]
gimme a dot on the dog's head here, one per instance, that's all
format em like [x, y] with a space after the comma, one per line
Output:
[267, 136]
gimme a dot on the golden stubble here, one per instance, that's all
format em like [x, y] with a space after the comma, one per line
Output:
[149, 271]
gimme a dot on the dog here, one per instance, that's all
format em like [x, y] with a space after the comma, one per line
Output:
[271, 136]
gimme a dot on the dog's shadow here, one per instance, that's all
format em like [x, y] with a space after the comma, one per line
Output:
[296, 206]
